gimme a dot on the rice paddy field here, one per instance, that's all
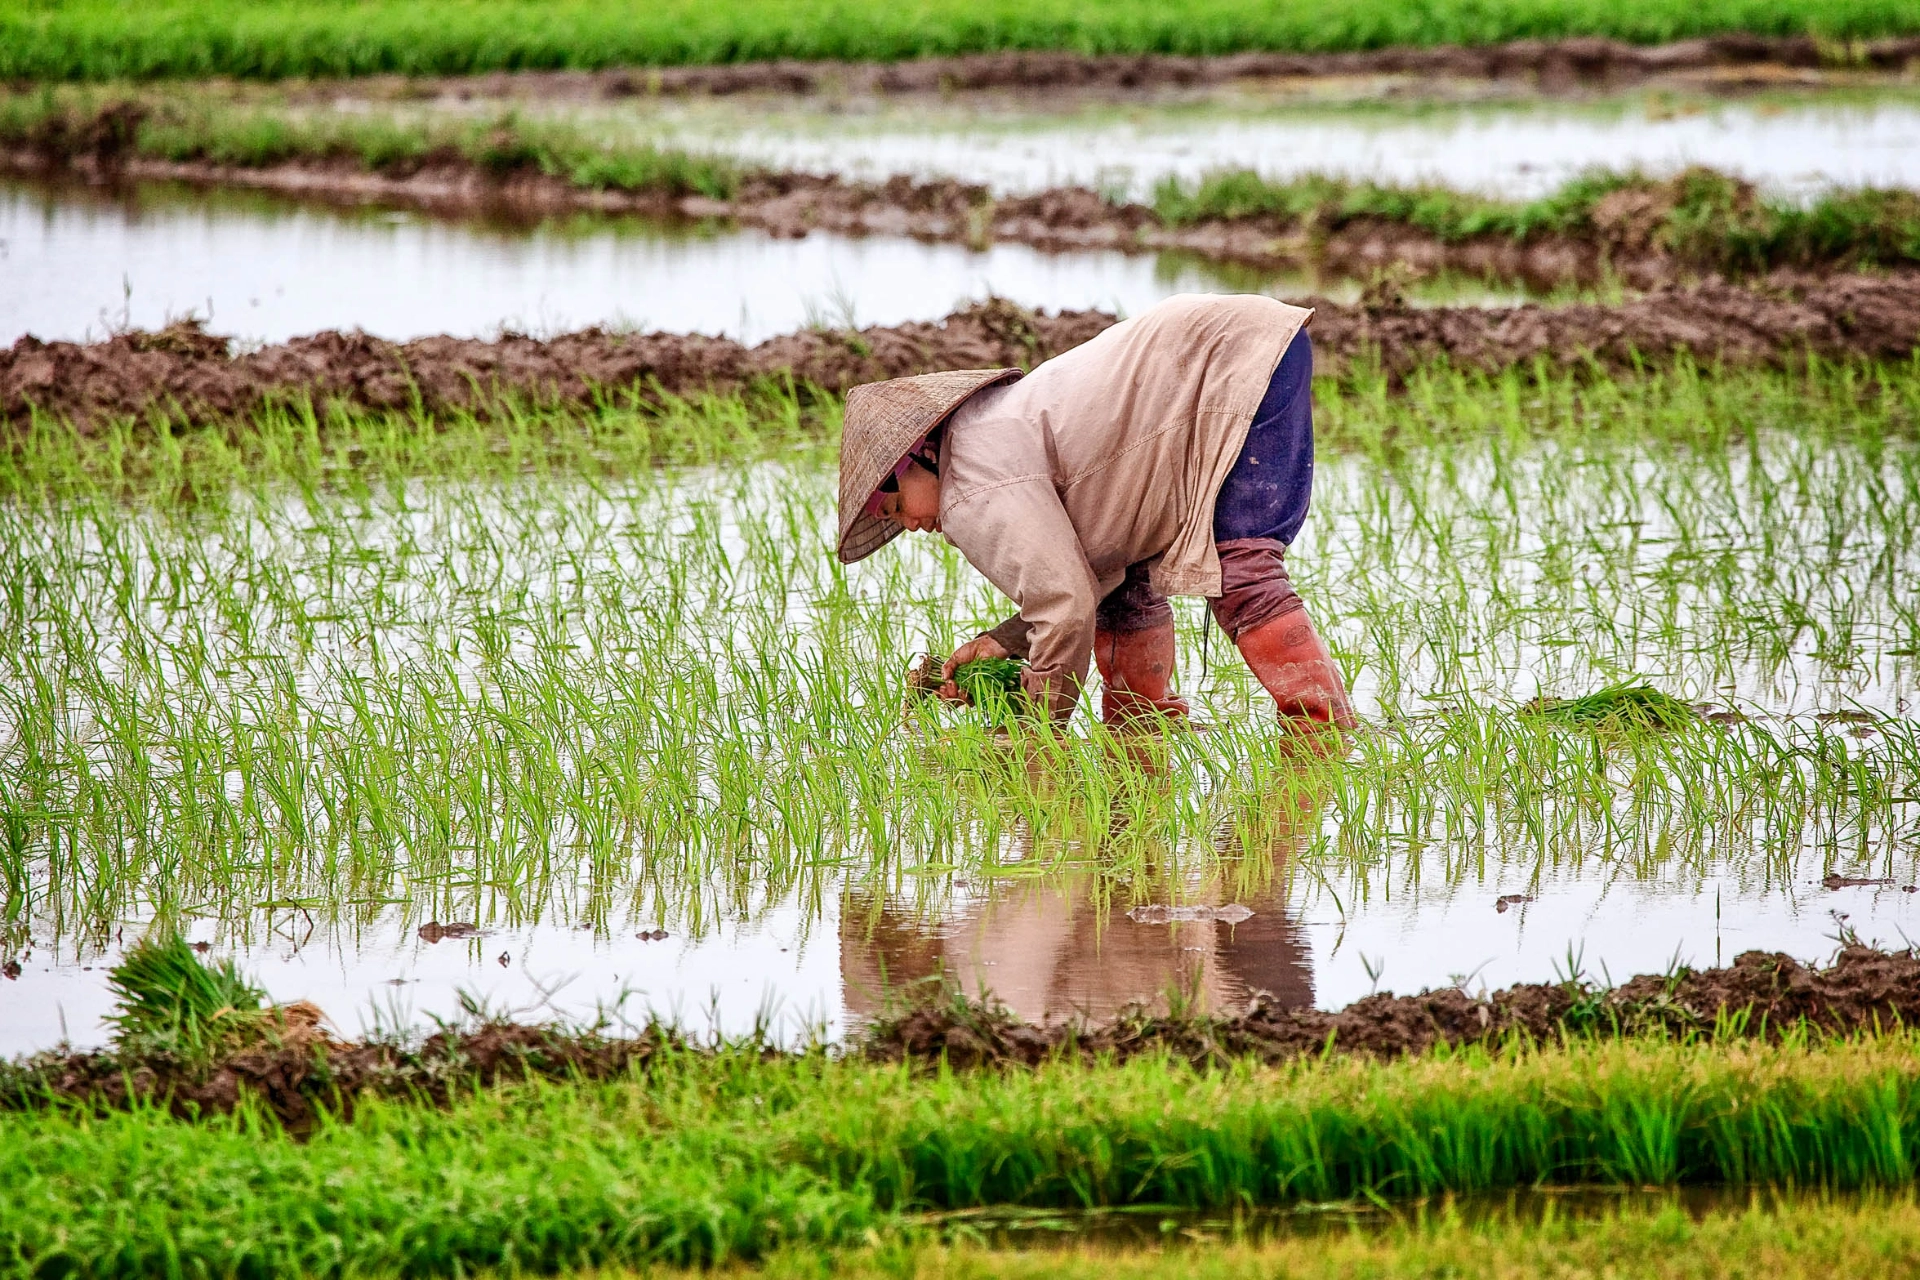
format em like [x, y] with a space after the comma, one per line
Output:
[564, 714]
[305, 689]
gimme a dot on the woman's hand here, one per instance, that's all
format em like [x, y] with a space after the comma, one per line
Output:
[976, 648]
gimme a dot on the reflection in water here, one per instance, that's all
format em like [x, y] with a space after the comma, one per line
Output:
[1069, 947]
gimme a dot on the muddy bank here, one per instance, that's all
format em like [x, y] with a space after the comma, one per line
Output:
[1760, 995]
[191, 377]
[1548, 65]
[305, 1069]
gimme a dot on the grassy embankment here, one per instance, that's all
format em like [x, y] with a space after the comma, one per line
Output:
[468, 671]
[734, 1157]
[1704, 220]
[93, 39]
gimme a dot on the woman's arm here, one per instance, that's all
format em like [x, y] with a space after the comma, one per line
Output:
[1019, 536]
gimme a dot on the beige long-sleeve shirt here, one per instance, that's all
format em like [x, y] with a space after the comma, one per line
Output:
[1107, 456]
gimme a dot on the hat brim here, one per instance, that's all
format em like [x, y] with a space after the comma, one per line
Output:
[883, 421]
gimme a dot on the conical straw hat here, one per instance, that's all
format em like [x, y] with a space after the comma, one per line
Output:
[883, 421]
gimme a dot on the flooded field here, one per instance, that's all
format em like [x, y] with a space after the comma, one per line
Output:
[79, 263]
[636, 742]
[1793, 143]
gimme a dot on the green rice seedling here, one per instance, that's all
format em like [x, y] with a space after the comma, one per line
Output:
[1617, 708]
[170, 1002]
[990, 684]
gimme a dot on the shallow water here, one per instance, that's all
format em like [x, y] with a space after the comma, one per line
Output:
[1791, 144]
[75, 264]
[334, 719]
[1131, 1228]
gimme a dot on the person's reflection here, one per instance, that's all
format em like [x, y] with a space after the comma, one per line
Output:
[1065, 947]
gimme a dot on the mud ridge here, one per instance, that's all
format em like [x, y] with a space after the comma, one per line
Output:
[1761, 995]
[304, 1069]
[189, 376]
[1549, 65]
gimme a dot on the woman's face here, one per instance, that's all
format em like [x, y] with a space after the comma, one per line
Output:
[917, 504]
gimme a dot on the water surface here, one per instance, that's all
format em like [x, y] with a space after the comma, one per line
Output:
[1791, 144]
[75, 264]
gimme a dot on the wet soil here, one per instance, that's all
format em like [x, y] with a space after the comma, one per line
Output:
[1760, 995]
[302, 1069]
[1548, 65]
[190, 376]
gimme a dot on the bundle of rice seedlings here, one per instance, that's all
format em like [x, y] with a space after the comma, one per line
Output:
[1617, 707]
[170, 1002]
[988, 683]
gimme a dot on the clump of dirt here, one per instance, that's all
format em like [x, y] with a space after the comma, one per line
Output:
[1761, 995]
[306, 1070]
[189, 376]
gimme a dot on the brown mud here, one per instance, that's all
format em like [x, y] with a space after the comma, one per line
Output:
[1761, 995]
[1545, 65]
[304, 1070]
[189, 376]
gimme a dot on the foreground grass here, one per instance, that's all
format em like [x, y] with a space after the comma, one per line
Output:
[733, 1157]
[271, 38]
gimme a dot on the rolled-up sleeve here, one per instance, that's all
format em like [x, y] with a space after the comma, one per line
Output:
[1019, 537]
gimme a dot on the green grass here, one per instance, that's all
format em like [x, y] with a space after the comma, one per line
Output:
[1701, 218]
[384, 671]
[709, 1159]
[207, 127]
[74, 39]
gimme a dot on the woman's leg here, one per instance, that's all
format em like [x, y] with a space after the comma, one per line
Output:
[1268, 622]
[1133, 648]
[1259, 511]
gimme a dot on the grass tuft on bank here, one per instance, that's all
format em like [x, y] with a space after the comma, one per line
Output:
[96, 39]
[1701, 218]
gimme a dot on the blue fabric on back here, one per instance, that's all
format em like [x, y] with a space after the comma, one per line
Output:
[1267, 492]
